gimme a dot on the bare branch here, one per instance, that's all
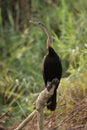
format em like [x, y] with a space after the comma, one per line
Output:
[40, 104]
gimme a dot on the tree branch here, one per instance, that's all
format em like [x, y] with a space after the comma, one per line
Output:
[41, 102]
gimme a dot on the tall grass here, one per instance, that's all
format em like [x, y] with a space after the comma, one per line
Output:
[21, 55]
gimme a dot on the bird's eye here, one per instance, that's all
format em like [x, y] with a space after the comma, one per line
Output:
[39, 24]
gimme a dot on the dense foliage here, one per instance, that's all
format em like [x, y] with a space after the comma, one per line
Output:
[22, 52]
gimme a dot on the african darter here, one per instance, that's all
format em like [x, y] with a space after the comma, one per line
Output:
[52, 67]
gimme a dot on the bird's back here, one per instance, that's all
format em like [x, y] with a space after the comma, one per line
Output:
[52, 67]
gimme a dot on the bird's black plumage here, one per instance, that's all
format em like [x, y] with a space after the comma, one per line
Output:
[52, 68]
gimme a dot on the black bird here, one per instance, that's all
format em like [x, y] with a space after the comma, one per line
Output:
[52, 68]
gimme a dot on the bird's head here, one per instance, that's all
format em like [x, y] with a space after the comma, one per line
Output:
[44, 28]
[41, 25]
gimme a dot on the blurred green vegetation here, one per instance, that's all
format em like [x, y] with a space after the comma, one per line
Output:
[22, 52]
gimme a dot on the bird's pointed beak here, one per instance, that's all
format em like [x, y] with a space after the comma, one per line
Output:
[34, 23]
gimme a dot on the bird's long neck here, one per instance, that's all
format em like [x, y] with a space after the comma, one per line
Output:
[47, 32]
[49, 40]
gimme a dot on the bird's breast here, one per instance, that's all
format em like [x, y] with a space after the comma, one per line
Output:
[51, 68]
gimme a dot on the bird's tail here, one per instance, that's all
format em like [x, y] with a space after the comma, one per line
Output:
[52, 102]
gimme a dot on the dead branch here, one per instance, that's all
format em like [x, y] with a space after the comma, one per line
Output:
[26, 120]
[4, 114]
[41, 102]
